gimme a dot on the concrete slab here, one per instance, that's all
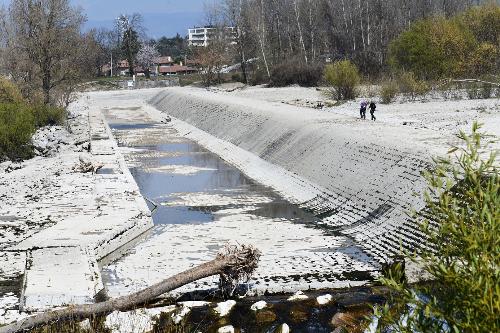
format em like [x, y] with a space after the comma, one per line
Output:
[60, 276]
[84, 217]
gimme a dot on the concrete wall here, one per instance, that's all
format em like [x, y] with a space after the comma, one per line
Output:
[369, 172]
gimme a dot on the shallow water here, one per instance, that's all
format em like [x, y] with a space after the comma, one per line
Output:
[167, 170]
[187, 186]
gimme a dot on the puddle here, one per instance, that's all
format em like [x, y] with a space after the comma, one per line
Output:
[106, 171]
[12, 265]
[130, 126]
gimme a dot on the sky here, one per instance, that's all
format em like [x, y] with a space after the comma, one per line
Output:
[161, 17]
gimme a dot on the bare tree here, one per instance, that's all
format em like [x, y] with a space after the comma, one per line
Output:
[44, 44]
[236, 15]
[309, 29]
[131, 30]
[96, 40]
[147, 57]
[211, 60]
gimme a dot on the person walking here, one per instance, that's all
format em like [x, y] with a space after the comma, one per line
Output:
[362, 110]
[372, 107]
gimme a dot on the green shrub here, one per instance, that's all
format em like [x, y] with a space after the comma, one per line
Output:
[432, 49]
[462, 221]
[17, 125]
[435, 48]
[46, 115]
[389, 91]
[411, 86]
[484, 59]
[19, 121]
[344, 77]
[9, 93]
[483, 22]
[296, 72]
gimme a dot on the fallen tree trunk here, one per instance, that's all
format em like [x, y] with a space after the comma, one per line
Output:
[233, 264]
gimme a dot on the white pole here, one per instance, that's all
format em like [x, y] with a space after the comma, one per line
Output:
[111, 63]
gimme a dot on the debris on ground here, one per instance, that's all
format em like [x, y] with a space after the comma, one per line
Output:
[86, 165]
[48, 140]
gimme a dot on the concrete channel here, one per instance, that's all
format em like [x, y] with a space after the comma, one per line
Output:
[204, 203]
[186, 172]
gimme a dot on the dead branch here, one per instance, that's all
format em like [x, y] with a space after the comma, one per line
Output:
[232, 264]
[87, 165]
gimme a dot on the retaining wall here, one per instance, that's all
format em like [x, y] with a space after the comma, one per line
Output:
[367, 174]
[61, 260]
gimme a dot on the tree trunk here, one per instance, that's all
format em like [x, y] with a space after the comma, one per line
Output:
[345, 18]
[46, 87]
[130, 65]
[301, 38]
[368, 13]
[262, 35]
[243, 65]
[234, 264]
[360, 13]
[46, 92]
[311, 26]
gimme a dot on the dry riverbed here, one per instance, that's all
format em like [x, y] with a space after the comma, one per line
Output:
[211, 187]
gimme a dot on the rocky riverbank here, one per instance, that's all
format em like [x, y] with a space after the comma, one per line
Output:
[61, 212]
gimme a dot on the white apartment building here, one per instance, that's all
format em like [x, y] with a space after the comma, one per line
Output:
[202, 36]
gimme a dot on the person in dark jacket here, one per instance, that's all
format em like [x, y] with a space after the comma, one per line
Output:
[372, 107]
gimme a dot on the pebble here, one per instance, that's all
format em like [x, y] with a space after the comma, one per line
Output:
[324, 299]
[342, 319]
[224, 308]
[284, 329]
[299, 295]
[265, 316]
[226, 329]
[258, 306]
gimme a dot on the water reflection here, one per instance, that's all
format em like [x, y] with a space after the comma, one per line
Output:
[173, 165]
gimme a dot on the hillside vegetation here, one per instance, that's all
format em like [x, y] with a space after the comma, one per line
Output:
[19, 120]
[467, 44]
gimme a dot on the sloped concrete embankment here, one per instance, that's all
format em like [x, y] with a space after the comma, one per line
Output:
[358, 180]
[61, 261]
